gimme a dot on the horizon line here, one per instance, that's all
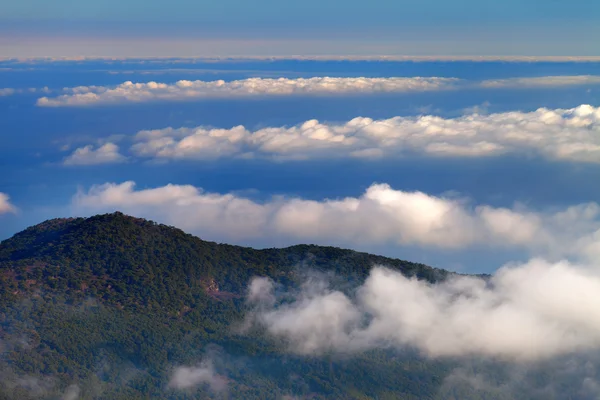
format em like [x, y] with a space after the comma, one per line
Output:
[382, 57]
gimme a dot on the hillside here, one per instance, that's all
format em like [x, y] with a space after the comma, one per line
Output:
[141, 261]
[106, 307]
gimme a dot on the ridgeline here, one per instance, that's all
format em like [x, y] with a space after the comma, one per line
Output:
[106, 307]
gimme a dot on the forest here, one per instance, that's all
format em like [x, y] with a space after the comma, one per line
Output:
[109, 307]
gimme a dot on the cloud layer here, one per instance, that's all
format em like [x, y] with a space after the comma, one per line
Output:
[130, 92]
[526, 312]
[381, 215]
[187, 90]
[556, 134]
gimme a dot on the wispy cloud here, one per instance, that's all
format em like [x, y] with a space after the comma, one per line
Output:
[108, 153]
[11, 91]
[203, 374]
[72, 393]
[542, 82]
[555, 134]
[381, 215]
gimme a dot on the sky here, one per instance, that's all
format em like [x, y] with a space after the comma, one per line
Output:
[32, 28]
[463, 165]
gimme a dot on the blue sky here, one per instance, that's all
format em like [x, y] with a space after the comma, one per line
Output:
[376, 14]
[518, 159]
[234, 9]
[267, 27]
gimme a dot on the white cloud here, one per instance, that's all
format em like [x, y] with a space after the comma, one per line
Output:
[6, 92]
[190, 377]
[130, 92]
[559, 134]
[108, 153]
[187, 90]
[5, 205]
[525, 312]
[380, 216]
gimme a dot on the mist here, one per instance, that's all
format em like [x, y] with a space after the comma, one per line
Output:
[524, 313]
[202, 374]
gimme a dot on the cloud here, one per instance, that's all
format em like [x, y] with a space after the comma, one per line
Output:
[34, 387]
[191, 377]
[556, 134]
[5, 205]
[527, 312]
[108, 153]
[542, 81]
[130, 92]
[10, 91]
[189, 90]
[568, 376]
[72, 393]
[381, 215]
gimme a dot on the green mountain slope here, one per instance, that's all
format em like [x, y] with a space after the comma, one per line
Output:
[106, 307]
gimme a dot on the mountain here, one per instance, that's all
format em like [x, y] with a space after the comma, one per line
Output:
[143, 262]
[113, 307]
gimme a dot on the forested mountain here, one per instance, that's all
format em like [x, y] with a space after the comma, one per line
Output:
[109, 306]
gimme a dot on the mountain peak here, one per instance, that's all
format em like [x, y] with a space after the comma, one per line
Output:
[145, 294]
[135, 251]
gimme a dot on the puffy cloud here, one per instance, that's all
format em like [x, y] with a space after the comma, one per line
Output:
[198, 142]
[260, 291]
[379, 216]
[187, 90]
[212, 213]
[559, 134]
[524, 312]
[191, 377]
[5, 205]
[108, 153]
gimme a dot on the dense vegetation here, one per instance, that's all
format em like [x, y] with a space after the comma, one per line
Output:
[113, 303]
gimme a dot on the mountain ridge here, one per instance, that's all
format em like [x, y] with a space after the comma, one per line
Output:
[123, 242]
[87, 301]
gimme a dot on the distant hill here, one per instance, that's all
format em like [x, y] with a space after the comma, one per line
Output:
[105, 307]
